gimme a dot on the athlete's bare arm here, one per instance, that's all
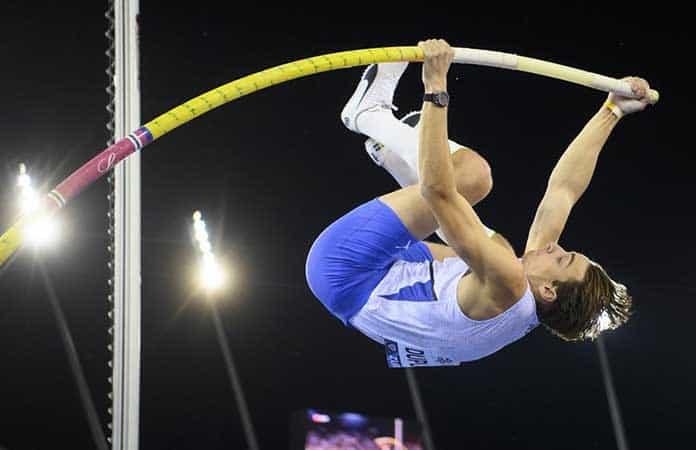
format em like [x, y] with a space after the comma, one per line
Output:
[440, 251]
[499, 272]
[574, 170]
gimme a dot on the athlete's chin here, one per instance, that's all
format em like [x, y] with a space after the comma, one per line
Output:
[530, 262]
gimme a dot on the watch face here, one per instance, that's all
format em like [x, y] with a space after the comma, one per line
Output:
[442, 98]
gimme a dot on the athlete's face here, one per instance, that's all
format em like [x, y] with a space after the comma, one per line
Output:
[553, 263]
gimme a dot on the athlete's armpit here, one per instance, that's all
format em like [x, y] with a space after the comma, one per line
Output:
[500, 239]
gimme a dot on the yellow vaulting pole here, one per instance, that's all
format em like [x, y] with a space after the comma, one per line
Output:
[273, 76]
[163, 124]
[10, 240]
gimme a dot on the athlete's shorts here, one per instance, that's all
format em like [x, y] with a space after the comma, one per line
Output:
[350, 257]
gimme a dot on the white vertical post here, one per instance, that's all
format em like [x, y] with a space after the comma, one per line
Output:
[126, 363]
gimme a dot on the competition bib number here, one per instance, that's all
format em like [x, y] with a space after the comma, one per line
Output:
[400, 355]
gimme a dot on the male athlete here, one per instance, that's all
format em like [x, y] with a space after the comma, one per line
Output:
[435, 305]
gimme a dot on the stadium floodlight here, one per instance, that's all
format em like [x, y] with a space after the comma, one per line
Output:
[41, 230]
[211, 274]
[28, 197]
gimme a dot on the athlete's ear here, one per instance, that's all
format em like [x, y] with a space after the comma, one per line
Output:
[548, 292]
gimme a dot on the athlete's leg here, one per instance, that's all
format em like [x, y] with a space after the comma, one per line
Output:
[393, 144]
[400, 159]
[352, 255]
[474, 182]
[473, 172]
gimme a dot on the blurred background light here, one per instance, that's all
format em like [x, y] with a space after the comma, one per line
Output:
[42, 230]
[211, 274]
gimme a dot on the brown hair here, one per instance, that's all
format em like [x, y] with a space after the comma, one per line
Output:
[583, 309]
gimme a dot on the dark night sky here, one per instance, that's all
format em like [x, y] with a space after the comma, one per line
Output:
[271, 170]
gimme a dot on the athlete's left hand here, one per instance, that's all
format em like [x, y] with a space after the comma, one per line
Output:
[438, 58]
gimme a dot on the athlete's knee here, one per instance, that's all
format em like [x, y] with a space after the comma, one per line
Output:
[473, 174]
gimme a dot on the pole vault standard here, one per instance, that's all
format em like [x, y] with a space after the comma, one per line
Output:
[124, 227]
[174, 118]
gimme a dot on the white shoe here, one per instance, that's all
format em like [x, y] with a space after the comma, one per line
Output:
[374, 92]
[376, 150]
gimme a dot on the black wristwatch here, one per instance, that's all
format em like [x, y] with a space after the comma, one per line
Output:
[440, 99]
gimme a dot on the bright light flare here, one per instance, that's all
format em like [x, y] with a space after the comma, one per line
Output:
[29, 199]
[211, 274]
[42, 232]
[23, 180]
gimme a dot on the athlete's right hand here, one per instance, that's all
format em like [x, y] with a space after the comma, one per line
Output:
[438, 58]
[628, 105]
